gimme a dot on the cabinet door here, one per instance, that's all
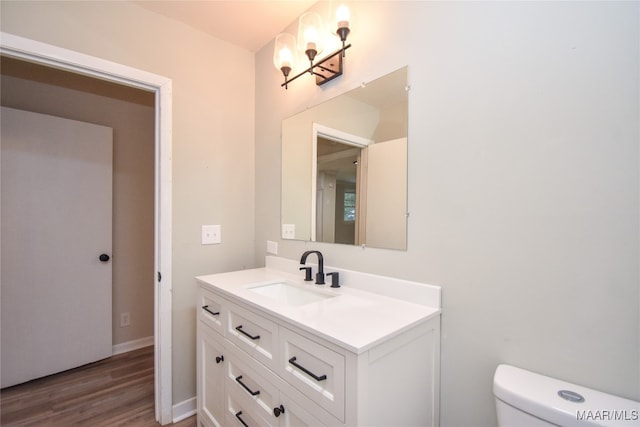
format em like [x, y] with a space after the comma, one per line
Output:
[211, 373]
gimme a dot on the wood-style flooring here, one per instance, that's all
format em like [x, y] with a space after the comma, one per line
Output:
[117, 391]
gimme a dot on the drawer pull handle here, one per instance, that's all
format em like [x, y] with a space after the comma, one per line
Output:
[277, 411]
[240, 419]
[306, 371]
[251, 392]
[206, 308]
[253, 337]
[219, 359]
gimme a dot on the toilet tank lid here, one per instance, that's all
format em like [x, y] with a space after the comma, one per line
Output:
[538, 395]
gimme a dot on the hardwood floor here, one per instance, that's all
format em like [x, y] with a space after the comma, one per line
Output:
[117, 391]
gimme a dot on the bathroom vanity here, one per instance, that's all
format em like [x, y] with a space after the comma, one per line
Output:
[274, 350]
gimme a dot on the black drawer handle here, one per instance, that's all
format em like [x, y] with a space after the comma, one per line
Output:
[253, 337]
[277, 411]
[206, 308]
[219, 358]
[306, 371]
[251, 392]
[240, 419]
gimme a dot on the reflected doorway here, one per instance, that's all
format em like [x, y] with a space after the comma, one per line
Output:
[337, 195]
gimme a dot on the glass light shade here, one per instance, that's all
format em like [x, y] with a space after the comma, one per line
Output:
[310, 33]
[284, 51]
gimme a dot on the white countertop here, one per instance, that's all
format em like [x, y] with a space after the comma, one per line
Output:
[355, 319]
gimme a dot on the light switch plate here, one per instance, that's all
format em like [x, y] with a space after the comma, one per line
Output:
[211, 234]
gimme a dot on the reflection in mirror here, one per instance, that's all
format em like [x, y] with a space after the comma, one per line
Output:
[344, 167]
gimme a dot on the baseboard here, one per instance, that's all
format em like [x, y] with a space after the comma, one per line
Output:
[132, 345]
[184, 409]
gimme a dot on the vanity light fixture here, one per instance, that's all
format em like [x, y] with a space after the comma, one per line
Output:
[310, 42]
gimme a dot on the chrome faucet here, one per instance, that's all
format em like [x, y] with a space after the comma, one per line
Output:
[320, 273]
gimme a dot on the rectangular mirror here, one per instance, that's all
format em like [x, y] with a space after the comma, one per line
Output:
[344, 167]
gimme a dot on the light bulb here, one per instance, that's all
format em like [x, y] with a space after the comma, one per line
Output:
[309, 40]
[285, 57]
[343, 15]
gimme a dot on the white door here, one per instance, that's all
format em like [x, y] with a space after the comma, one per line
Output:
[56, 193]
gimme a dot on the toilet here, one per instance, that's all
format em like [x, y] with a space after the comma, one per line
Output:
[524, 398]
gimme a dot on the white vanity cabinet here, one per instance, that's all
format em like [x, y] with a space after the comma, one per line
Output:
[258, 366]
[236, 380]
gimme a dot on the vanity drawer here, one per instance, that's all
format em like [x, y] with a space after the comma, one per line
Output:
[211, 310]
[317, 371]
[241, 413]
[256, 383]
[252, 333]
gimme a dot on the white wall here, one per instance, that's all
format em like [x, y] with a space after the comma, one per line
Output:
[523, 183]
[213, 134]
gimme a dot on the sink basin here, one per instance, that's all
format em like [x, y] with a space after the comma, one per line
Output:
[290, 294]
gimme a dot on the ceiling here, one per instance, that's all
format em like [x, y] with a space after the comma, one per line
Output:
[250, 24]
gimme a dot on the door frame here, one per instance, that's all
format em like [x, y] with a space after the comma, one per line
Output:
[53, 56]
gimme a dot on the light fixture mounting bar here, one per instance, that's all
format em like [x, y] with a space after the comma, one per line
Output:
[325, 70]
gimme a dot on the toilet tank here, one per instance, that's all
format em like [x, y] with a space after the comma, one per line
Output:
[524, 398]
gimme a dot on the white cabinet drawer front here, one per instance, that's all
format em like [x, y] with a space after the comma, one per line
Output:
[257, 385]
[210, 310]
[242, 413]
[315, 370]
[253, 334]
[298, 415]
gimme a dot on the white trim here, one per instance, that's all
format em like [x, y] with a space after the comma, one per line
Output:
[314, 181]
[185, 409]
[128, 346]
[42, 53]
[340, 136]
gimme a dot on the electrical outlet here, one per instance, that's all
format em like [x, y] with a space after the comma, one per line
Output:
[272, 247]
[211, 234]
[288, 231]
[125, 319]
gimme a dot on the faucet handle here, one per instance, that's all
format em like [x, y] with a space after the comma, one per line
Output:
[335, 279]
[307, 274]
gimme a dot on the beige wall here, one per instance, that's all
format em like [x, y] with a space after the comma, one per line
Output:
[523, 183]
[213, 134]
[131, 115]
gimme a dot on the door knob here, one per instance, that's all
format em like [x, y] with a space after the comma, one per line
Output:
[104, 257]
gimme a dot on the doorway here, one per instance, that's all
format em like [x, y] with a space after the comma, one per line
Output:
[39, 53]
[338, 180]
